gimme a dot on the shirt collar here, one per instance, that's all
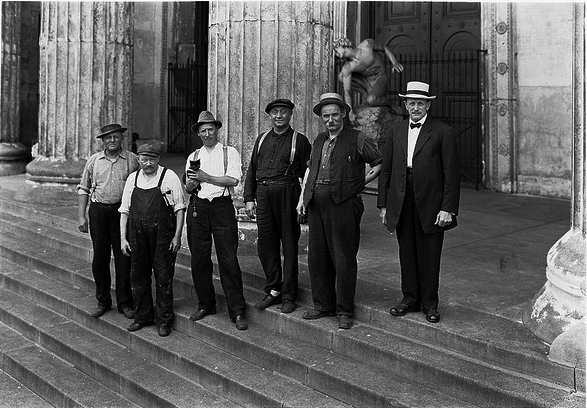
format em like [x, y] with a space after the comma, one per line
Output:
[421, 120]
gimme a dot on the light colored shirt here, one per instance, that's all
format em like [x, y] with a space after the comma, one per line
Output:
[103, 178]
[171, 188]
[213, 164]
[413, 138]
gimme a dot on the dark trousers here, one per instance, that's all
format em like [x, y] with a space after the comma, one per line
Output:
[215, 219]
[332, 250]
[150, 255]
[105, 234]
[419, 255]
[277, 221]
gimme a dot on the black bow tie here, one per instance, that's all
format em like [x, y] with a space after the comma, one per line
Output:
[415, 125]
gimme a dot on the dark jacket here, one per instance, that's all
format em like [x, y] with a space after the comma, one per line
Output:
[435, 167]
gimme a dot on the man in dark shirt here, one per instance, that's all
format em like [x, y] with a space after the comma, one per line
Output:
[331, 194]
[272, 189]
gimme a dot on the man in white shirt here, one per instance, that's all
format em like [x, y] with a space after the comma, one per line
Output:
[151, 221]
[211, 173]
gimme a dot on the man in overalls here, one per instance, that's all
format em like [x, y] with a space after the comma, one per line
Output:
[153, 204]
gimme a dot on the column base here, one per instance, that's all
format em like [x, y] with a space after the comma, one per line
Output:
[560, 304]
[13, 158]
[45, 170]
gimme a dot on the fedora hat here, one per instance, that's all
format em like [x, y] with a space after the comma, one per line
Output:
[150, 149]
[113, 127]
[279, 102]
[206, 117]
[417, 90]
[328, 99]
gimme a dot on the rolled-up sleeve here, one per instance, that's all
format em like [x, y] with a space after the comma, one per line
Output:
[85, 185]
[127, 193]
[235, 166]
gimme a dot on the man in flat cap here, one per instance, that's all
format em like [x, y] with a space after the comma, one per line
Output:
[101, 185]
[212, 171]
[272, 189]
[331, 195]
[151, 222]
[418, 198]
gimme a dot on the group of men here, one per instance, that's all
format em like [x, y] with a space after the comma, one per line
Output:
[140, 212]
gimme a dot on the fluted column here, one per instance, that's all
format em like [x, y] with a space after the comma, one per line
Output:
[259, 51]
[557, 313]
[85, 81]
[13, 154]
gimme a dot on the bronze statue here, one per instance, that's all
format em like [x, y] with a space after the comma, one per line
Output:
[364, 70]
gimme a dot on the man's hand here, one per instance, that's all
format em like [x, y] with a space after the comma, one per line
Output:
[198, 175]
[443, 218]
[175, 245]
[125, 246]
[383, 215]
[251, 209]
[83, 224]
[300, 208]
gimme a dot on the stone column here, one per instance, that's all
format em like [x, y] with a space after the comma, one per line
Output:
[557, 313]
[259, 51]
[13, 154]
[85, 81]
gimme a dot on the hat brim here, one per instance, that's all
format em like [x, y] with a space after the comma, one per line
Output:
[121, 130]
[275, 105]
[330, 101]
[197, 125]
[417, 96]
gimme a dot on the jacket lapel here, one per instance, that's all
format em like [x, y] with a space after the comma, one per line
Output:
[423, 137]
[403, 136]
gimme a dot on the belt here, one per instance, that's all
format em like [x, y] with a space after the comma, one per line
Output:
[323, 182]
[106, 205]
[275, 182]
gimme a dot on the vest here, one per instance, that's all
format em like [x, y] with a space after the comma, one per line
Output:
[347, 168]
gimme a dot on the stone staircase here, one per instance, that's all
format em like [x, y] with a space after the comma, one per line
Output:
[54, 353]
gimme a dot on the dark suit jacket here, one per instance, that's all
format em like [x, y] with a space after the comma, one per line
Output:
[435, 167]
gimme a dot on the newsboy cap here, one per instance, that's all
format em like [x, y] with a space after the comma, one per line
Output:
[206, 117]
[111, 128]
[279, 102]
[150, 149]
[328, 99]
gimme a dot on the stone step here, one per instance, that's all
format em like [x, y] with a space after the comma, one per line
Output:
[187, 357]
[468, 338]
[16, 395]
[456, 374]
[54, 381]
[279, 355]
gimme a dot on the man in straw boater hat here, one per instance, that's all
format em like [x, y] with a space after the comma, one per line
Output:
[331, 195]
[418, 198]
[151, 222]
[101, 185]
[272, 190]
[211, 173]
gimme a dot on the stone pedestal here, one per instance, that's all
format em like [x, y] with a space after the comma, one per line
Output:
[259, 51]
[85, 81]
[13, 155]
[557, 313]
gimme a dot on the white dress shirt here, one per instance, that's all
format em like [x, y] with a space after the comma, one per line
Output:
[413, 138]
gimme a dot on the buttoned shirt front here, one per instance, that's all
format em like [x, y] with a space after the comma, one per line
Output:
[413, 134]
[171, 189]
[212, 162]
[103, 178]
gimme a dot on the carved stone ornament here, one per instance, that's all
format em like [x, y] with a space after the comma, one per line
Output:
[501, 28]
[503, 150]
[502, 68]
[502, 109]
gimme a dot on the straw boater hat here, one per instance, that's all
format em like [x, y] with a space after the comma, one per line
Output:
[150, 149]
[328, 99]
[279, 102]
[417, 90]
[107, 129]
[206, 117]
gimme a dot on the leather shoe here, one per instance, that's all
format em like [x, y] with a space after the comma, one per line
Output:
[164, 330]
[136, 326]
[201, 313]
[241, 322]
[128, 313]
[432, 315]
[267, 301]
[100, 310]
[402, 309]
[317, 314]
[345, 322]
[288, 306]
